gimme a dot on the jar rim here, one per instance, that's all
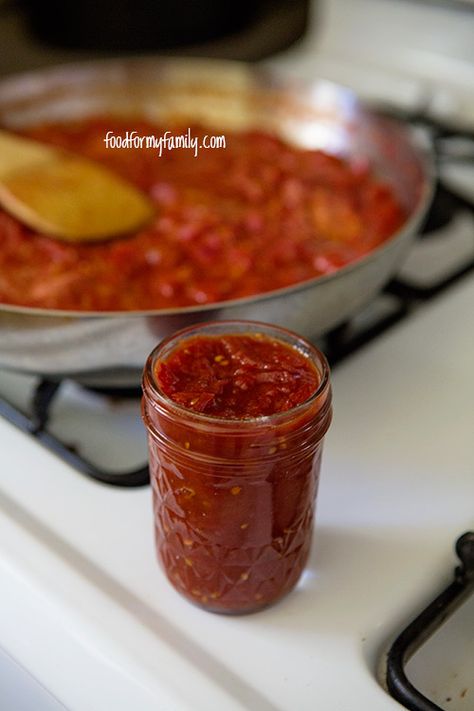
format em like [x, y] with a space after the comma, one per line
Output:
[149, 381]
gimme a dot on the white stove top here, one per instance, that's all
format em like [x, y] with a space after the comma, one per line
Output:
[406, 53]
[87, 611]
[85, 608]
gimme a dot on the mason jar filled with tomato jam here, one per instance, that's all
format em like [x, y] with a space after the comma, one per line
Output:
[236, 412]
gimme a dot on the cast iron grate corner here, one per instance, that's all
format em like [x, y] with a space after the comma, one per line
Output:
[425, 624]
[35, 424]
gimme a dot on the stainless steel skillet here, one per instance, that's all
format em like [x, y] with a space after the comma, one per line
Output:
[110, 347]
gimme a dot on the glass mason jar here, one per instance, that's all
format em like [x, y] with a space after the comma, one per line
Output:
[234, 499]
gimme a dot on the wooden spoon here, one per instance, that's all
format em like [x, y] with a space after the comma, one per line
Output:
[66, 196]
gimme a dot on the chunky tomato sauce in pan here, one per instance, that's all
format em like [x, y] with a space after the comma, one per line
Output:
[253, 217]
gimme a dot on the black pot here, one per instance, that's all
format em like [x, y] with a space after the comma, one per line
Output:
[136, 25]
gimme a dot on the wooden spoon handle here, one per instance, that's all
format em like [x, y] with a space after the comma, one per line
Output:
[66, 196]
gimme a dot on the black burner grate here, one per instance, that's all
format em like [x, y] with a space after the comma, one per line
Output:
[35, 424]
[347, 339]
[423, 626]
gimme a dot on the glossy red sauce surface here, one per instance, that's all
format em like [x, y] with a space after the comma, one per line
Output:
[253, 217]
[237, 376]
[234, 499]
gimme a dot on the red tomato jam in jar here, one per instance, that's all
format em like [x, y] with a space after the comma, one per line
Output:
[236, 412]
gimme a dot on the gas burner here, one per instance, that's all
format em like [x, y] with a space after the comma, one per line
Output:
[439, 258]
[396, 302]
